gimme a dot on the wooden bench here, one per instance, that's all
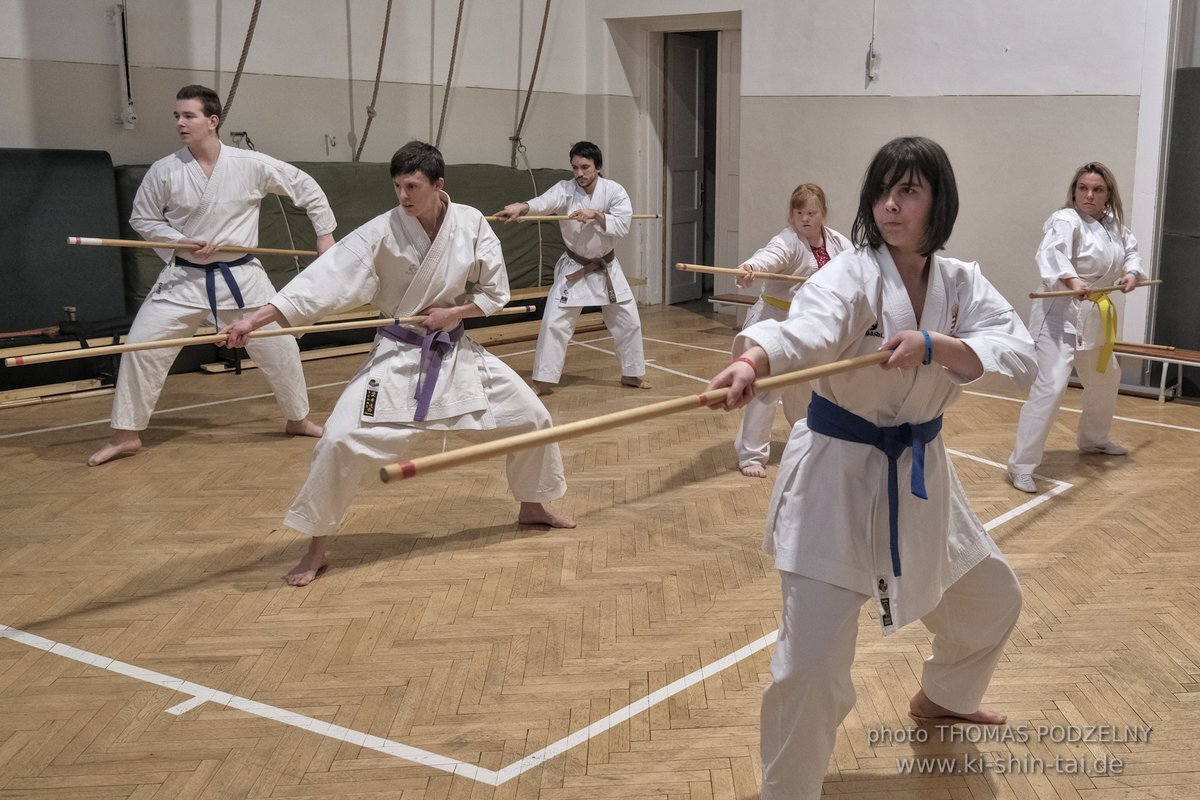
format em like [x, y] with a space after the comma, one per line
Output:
[1165, 355]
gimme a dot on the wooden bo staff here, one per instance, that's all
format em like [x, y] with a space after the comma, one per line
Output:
[771, 276]
[559, 217]
[1070, 293]
[217, 338]
[572, 430]
[225, 248]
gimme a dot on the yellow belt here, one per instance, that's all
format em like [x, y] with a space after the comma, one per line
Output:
[1108, 318]
[783, 305]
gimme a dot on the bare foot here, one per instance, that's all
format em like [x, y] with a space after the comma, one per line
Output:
[754, 471]
[303, 427]
[120, 444]
[538, 514]
[635, 382]
[920, 707]
[541, 388]
[311, 566]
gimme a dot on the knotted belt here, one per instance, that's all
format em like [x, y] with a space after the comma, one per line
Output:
[836, 422]
[210, 280]
[435, 346]
[591, 265]
[1108, 318]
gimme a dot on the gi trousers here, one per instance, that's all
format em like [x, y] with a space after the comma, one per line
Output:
[143, 372]
[352, 449]
[812, 690]
[558, 325]
[1056, 354]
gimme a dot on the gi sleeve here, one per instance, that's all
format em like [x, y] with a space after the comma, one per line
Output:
[490, 290]
[1055, 255]
[280, 177]
[991, 328]
[148, 216]
[618, 214]
[1133, 260]
[341, 279]
[552, 201]
[777, 255]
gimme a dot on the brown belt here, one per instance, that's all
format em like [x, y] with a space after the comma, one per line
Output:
[591, 265]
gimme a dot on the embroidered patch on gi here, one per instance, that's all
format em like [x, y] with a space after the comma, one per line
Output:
[885, 609]
[371, 396]
[874, 331]
[954, 319]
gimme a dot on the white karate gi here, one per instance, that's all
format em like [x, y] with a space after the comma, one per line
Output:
[787, 253]
[176, 201]
[1068, 331]
[828, 521]
[391, 263]
[567, 298]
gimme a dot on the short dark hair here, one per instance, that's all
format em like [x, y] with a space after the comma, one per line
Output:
[209, 101]
[588, 150]
[419, 157]
[896, 160]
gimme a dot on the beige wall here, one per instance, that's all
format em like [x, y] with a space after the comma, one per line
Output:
[1013, 158]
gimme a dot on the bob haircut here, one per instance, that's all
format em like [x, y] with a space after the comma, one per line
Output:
[419, 157]
[210, 103]
[587, 150]
[895, 161]
[805, 192]
[1114, 196]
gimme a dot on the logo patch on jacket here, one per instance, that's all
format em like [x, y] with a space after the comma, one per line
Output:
[371, 396]
[874, 331]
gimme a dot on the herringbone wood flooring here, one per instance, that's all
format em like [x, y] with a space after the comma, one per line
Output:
[452, 635]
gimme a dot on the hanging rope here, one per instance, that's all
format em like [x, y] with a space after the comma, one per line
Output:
[537, 59]
[387, 19]
[450, 75]
[237, 76]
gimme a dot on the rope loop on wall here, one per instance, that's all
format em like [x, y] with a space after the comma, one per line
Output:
[371, 113]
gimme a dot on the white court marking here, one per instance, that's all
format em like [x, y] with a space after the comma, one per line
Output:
[200, 694]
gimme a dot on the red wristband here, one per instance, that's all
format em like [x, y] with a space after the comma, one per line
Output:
[749, 361]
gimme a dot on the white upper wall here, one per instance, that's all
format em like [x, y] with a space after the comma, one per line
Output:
[791, 48]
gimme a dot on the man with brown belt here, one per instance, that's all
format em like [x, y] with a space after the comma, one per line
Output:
[588, 273]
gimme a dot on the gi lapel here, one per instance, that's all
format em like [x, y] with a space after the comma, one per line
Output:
[896, 312]
[208, 195]
[427, 285]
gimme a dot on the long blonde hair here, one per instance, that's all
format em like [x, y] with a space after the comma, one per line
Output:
[1114, 196]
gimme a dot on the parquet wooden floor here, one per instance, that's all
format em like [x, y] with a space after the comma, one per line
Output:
[153, 652]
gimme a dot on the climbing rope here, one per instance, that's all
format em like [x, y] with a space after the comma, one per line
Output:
[437, 142]
[387, 18]
[237, 76]
[537, 59]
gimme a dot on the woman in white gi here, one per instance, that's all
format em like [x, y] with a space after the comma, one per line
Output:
[1085, 244]
[428, 257]
[588, 273]
[839, 540]
[208, 194]
[801, 248]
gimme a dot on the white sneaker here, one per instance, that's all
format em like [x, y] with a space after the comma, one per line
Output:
[1022, 481]
[1108, 449]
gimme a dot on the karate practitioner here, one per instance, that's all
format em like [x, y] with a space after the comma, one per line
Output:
[837, 539]
[208, 194]
[428, 256]
[588, 273]
[1084, 245]
[801, 248]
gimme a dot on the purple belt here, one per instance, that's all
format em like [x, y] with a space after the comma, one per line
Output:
[435, 345]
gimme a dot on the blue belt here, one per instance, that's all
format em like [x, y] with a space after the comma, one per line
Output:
[210, 280]
[836, 422]
[435, 346]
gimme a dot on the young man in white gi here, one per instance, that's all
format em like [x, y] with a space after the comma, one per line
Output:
[208, 194]
[428, 257]
[588, 273]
